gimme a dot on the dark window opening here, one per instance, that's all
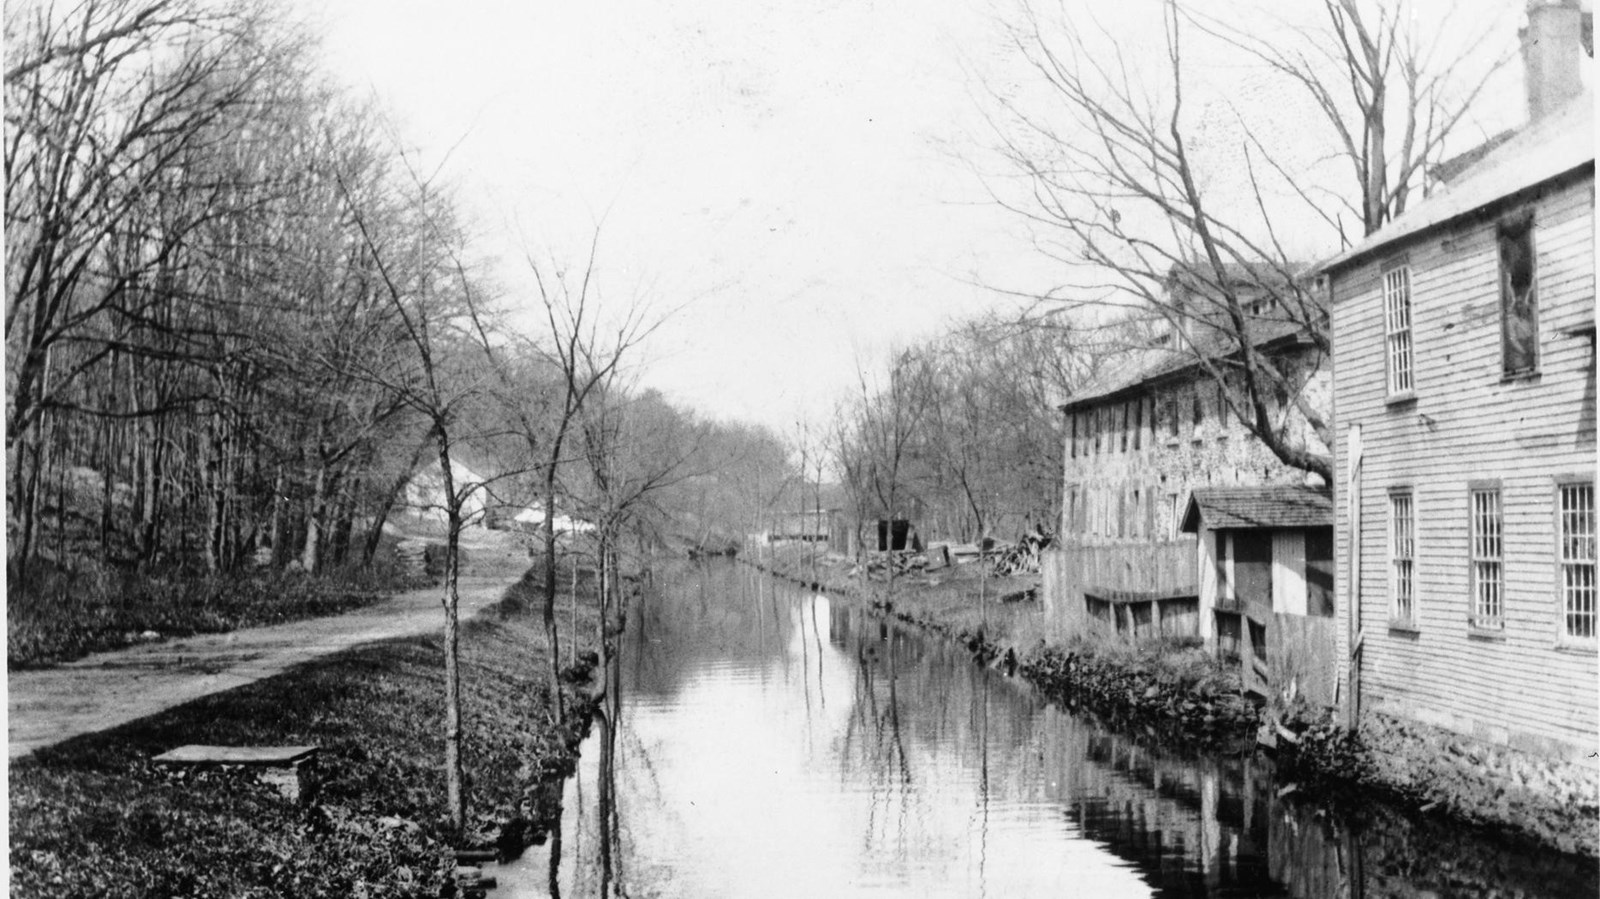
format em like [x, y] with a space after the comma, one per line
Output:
[1319, 572]
[1519, 303]
[1252, 568]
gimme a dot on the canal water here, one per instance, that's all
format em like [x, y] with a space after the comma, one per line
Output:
[761, 740]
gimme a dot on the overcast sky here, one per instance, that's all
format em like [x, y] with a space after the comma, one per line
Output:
[793, 174]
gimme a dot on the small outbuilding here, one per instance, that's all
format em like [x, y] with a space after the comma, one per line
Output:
[1265, 570]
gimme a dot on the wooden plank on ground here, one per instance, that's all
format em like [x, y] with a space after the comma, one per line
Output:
[269, 756]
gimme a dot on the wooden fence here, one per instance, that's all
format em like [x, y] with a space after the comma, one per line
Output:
[1120, 572]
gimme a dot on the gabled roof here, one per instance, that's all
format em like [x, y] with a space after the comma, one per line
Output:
[1280, 506]
[1553, 146]
[1137, 368]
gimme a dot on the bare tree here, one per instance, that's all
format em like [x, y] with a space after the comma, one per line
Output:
[887, 426]
[586, 354]
[418, 272]
[1385, 89]
[112, 109]
[1114, 175]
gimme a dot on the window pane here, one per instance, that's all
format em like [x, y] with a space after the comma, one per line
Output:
[1488, 583]
[1402, 554]
[1577, 548]
[1397, 323]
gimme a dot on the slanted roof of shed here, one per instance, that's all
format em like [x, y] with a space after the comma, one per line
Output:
[1546, 149]
[1281, 506]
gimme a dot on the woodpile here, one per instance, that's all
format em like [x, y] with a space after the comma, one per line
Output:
[1021, 557]
[877, 564]
[1003, 559]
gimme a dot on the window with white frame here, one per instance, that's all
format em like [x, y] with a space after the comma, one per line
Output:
[1402, 557]
[1576, 551]
[1397, 328]
[1486, 543]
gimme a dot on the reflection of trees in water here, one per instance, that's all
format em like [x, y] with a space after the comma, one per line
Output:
[724, 616]
[873, 750]
[925, 726]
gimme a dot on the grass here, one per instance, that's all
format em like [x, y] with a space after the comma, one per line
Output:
[55, 615]
[93, 817]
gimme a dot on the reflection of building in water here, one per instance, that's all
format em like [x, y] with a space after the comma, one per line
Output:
[1191, 826]
[1217, 826]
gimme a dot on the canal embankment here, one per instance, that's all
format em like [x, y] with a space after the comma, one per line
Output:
[1175, 692]
[93, 816]
[1173, 687]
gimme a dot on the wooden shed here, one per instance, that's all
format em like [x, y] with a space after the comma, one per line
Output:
[1264, 560]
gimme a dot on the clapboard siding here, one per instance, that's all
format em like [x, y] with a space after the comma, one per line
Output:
[1466, 424]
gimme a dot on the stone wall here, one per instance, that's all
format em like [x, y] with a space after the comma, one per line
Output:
[1554, 801]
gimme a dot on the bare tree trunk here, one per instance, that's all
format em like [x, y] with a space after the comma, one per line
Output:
[108, 469]
[548, 610]
[150, 509]
[343, 520]
[603, 557]
[572, 628]
[217, 486]
[315, 509]
[30, 495]
[278, 529]
[455, 796]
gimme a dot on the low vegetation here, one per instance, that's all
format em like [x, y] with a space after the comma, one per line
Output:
[1173, 687]
[94, 817]
[55, 615]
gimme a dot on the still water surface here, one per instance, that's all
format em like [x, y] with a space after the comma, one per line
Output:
[760, 740]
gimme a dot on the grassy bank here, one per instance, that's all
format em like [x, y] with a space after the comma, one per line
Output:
[93, 817]
[55, 615]
[1174, 687]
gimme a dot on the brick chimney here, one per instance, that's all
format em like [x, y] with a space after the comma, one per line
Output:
[1552, 46]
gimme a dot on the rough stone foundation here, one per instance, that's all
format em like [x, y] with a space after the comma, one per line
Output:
[1555, 802]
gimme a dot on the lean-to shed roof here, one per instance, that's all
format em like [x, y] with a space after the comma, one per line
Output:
[1280, 506]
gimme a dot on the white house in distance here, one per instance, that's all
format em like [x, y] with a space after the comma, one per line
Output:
[532, 518]
[424, 494]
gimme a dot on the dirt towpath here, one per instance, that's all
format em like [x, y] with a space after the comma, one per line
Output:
[112, 688]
